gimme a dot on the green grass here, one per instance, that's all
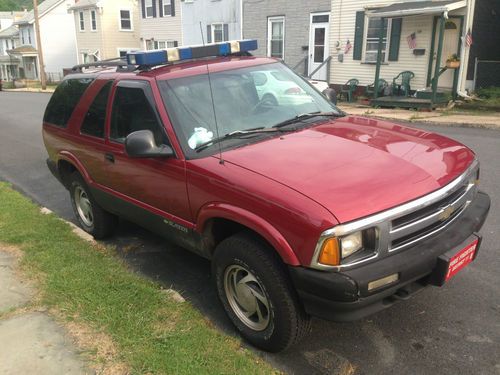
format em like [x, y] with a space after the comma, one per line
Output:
[89, 284]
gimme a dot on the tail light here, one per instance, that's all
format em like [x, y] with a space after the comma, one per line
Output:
[293, 91]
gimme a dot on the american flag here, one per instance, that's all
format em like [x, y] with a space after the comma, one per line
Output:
[468, 39]
[412, 40]
[348, 47]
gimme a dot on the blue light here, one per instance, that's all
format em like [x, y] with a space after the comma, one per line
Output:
[186, 53]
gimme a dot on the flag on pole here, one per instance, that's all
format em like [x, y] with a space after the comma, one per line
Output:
[412, 40]
[468, 38]
[348, 47]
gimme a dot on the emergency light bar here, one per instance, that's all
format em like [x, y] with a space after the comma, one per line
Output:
[187, 53]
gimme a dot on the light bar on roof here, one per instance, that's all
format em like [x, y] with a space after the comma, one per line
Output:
[187, 53]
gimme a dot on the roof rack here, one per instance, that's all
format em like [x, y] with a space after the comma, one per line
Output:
[117, 62]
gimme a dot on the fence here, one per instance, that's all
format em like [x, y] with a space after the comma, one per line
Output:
[486, 74]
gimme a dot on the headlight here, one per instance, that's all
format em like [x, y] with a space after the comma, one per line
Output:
[334, 250]
[351, 243]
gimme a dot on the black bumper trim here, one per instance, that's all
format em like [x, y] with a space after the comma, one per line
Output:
[344, 296]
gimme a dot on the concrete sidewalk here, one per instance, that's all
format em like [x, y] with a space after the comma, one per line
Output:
[31, 342]
[439, 116]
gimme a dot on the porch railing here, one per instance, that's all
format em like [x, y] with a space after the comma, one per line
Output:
[327, 63]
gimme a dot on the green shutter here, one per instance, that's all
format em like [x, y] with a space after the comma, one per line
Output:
[395, 38]
[358, 36]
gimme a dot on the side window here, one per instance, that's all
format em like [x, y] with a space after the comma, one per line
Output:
[64, 100]
[93, 123]
[132, 112]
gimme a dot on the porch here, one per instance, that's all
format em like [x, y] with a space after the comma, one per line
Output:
[446, 39]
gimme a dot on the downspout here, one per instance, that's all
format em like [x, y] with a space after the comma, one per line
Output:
[465, 51]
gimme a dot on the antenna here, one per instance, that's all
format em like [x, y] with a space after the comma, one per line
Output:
[221, 161]
[202, 38]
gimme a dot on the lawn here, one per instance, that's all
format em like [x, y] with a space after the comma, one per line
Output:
[88, 284]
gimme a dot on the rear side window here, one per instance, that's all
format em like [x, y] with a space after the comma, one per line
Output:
[93, 123]
[64, 100]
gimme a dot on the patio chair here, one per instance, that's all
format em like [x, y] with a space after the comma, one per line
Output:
[370, 89]
[348, 89]
[403, 88]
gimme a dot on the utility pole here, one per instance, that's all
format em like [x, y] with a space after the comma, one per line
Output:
[39, 46]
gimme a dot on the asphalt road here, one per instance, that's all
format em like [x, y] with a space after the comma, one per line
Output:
[450, 330]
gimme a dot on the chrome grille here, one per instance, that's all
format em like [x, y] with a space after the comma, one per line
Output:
[422, 223]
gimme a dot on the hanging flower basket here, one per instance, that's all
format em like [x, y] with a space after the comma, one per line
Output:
[453, 64]
[453, 61]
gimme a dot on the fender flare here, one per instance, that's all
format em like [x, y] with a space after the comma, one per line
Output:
[251, 221]
[70, 158]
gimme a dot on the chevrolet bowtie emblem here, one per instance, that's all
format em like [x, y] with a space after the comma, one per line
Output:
[447, 212]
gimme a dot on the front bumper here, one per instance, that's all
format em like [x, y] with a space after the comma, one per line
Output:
[344, 296]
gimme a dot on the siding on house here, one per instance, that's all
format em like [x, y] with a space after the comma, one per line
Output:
[166, 28]
[297, 21]
[342, 29]
[208, 12]
[108, 38]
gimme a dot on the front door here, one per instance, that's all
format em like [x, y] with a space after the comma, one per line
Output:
[318, 44]
[157, 185]
[450, 46]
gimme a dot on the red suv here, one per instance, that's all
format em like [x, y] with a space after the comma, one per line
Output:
[302, 209]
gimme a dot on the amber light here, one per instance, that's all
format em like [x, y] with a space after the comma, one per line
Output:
[330, 254]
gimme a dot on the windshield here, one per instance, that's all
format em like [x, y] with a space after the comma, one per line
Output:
[257, 97]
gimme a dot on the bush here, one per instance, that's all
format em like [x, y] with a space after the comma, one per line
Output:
[489, 93]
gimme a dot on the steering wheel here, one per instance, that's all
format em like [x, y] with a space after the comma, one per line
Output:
[267, 100]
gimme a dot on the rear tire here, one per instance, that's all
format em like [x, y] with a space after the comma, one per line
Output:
[92, 218]
[257, 294]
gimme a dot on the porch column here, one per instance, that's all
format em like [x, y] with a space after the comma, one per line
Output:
[438, 59]
[379, 58]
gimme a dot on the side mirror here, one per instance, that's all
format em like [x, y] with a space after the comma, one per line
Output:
[141, 144]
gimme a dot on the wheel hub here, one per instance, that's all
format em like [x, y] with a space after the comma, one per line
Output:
[246, 297]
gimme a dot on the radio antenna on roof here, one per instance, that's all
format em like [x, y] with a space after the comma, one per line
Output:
[202, 37]
[221, 161]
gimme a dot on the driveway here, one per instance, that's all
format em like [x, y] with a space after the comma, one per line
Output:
[449, 330]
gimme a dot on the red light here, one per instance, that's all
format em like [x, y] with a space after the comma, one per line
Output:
[293, 91]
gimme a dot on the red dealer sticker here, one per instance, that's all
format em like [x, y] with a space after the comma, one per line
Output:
[461, 259]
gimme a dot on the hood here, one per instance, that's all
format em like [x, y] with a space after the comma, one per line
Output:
[355, 166]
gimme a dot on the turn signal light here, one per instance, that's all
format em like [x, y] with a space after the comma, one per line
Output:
[330, 254]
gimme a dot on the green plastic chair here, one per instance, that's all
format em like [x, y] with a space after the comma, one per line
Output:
[403, 88]
[370, 89]
[348, 89]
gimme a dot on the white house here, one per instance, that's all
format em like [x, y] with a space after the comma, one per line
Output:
[57, 31]
[211, 21]
[9, 39]
[411, 35]
[160, 24]
[105, 29]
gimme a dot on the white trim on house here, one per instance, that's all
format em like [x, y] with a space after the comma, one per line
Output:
[81, 21]
[130, 19]
[148, 5]
[167, 3]
[387, 41]
[270, 21]
[93, 20]
[212, 31]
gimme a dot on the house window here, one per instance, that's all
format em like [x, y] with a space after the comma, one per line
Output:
[167, 8]
[159, 44]
[93, 21]
[148, 4]
[372, 35]
[29, 36]
[82, 22]
[125, 20]
[217, 32]
[276, 37]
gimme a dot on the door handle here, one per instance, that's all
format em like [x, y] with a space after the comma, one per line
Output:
[109, 157]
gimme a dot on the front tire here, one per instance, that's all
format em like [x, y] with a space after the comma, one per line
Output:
[92, 218]
[257, 294]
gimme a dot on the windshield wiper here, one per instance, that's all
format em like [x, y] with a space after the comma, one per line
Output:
[235, 134]
[304, 116]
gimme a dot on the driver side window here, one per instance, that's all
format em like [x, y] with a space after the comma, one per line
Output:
[131, 112]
